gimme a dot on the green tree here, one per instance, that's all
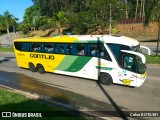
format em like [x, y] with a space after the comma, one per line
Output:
[30, 16]
[1, 23]
[24, 27]
[45, 23]
[6, 21]
[79, 11]
[14, 24]
[60, 19]
[152, 14]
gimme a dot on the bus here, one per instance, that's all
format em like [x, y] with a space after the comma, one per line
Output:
[84, 56]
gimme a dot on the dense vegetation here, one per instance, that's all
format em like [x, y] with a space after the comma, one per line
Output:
[152, 59]
[80, 16]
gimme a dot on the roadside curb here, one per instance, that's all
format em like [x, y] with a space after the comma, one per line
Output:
[80, 110]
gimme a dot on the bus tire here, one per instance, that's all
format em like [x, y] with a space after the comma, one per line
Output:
[105, 79]
[32, 67]
[40, 69]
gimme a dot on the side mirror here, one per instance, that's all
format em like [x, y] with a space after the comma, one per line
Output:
[147, 48]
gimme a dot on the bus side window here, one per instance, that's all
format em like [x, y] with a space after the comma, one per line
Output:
[81, 49]
[73, 49]
[60, 48]
[18, 46]
[92, 50]
[36, 47]
[116, 49]
[25, 47]
[102, 53]
[48, 47]
[57, 48]
[68, 49]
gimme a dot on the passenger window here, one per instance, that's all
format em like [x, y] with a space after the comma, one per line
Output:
[73, 49]
[36, 47]
[81, 49]
[25, 47]
[59, 48]
[48, 48]
[62, 48]
[18, 46]
[93, 51]
[62, 51]
[69, 47]
[102, 53]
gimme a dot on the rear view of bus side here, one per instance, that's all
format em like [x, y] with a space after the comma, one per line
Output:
[83, 56]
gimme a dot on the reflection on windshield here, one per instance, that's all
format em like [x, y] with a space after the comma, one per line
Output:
[141, 66]
[136, 48]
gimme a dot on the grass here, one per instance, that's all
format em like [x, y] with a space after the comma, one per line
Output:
[3, 49]
[152, 59]
[12, 102]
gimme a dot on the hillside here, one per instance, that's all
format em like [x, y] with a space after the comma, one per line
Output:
[137, 31]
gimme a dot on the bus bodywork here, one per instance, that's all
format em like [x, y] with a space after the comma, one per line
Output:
[61, 55]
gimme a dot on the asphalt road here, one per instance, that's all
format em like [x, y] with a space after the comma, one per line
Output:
[83, 91]
[5, 41]
[152, 46]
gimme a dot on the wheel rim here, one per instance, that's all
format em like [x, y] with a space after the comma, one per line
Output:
[32, 67]
[105, 79]
[41, 69]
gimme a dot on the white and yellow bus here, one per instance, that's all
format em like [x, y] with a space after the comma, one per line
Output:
[81, 56]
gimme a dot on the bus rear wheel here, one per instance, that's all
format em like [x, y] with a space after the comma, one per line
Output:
[105, 79]
[32, 67]
[40, 69]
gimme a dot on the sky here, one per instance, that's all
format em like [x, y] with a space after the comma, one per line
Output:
[15, 7]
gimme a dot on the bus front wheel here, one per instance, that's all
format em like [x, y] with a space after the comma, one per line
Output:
[105, 79]
[40, 69]
[32, 67]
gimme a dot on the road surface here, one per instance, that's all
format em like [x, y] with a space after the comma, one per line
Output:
[152, 46]
[5, 41]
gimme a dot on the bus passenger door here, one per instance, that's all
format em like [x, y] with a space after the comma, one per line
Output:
[128, 74]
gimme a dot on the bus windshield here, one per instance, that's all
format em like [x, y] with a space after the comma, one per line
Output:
[141, 67]
[136, 48]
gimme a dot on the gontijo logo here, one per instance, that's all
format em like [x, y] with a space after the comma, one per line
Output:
[42, 56]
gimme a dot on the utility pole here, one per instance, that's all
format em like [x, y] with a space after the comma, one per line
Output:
[158, 42]
[34, 24]
[110, 19]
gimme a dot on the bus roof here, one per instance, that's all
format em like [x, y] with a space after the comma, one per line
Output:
[83, 39]
[61, 39]
[111, 39]
[120, 40]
